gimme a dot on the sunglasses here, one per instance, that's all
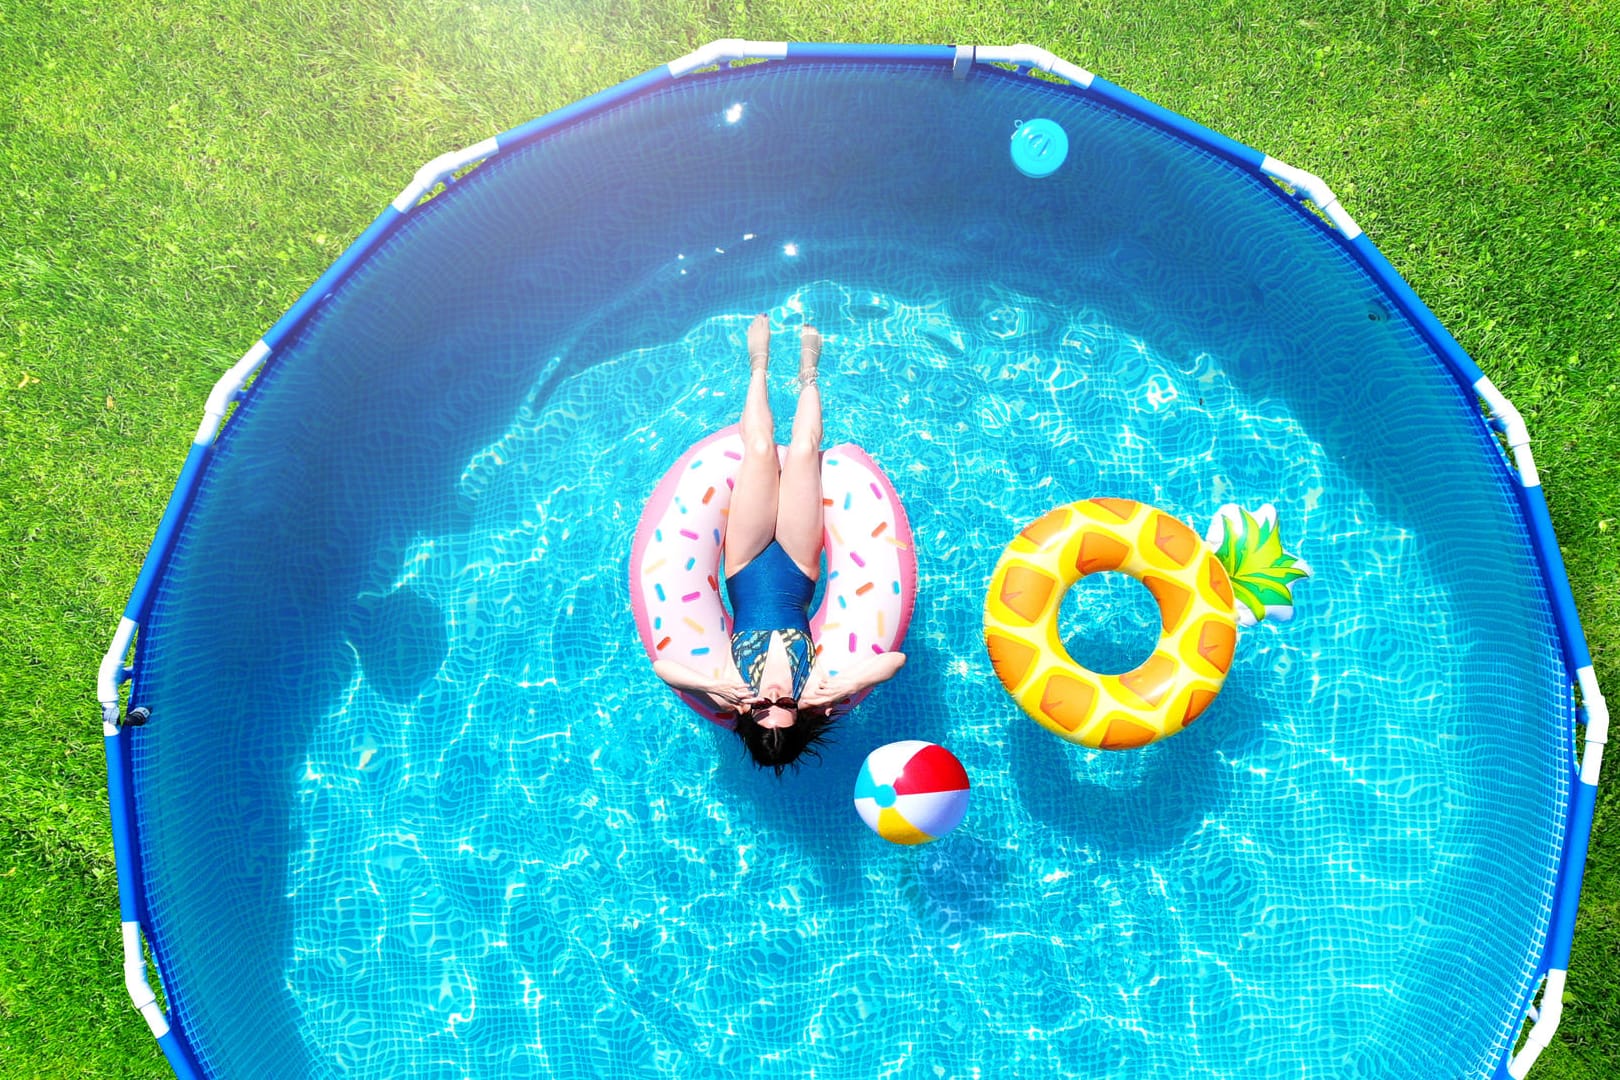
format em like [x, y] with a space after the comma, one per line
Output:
[781, 703]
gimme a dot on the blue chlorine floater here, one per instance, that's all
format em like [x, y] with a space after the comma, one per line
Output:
[1039, 147]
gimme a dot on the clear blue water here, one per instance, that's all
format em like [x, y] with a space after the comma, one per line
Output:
[411, 789]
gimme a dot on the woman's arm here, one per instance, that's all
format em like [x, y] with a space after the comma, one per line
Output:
[725, 693]
[825, 689]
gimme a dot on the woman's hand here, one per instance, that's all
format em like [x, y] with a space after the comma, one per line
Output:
[825, 689]
[725, 691]
[730, 696]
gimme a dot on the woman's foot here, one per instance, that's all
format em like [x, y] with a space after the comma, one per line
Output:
[759, 342]
[809, 355]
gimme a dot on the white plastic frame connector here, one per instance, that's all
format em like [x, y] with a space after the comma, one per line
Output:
[1541, 1032]
[440, 167]
[1317, 190]
[1035, 57]
[226, 390]
[140, 991]
[1597, 724]
[1513, 427]
[724, 51]
[1552, 995]
[963, 62]
[113, 674]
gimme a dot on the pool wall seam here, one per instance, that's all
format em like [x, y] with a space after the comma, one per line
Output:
[1329, 215]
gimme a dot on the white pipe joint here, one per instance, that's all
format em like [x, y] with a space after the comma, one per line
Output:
[963, 62]
[113, 674]
[1316, 189]
[1597, 724]
[1541, 1032]
[1035, 57]
[1073, 72]
[1513, 428]
[440, 167]
[140, 991]
[724, 51]
[226, 390]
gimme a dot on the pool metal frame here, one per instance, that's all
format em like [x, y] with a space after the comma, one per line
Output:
[1309, 193]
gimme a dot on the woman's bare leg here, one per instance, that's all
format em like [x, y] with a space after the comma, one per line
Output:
[752, 521]
[798, 519]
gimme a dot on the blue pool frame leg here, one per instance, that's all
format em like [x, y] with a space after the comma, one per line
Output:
[1319, 208]
[174, 1047]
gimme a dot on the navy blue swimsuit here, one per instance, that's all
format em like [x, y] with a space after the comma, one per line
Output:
[771, 595]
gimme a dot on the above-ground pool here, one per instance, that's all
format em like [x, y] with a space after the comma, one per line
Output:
[411, 802]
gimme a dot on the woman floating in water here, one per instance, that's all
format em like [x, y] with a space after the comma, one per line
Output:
[782, 699]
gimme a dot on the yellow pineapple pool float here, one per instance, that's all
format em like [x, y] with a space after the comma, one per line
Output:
[1205, 591]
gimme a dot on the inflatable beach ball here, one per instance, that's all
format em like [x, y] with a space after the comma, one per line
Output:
[911, 792]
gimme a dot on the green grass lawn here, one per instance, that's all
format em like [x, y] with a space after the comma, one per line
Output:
[176, 174]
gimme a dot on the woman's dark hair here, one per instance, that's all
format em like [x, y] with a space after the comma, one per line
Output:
[778, 747]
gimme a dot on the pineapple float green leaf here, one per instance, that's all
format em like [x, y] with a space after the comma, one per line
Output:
[1262, 573]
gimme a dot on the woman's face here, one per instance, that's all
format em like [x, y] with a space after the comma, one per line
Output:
[775, 716]
[775, 685]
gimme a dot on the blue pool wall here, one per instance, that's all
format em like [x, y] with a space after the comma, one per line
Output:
[298, 318]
